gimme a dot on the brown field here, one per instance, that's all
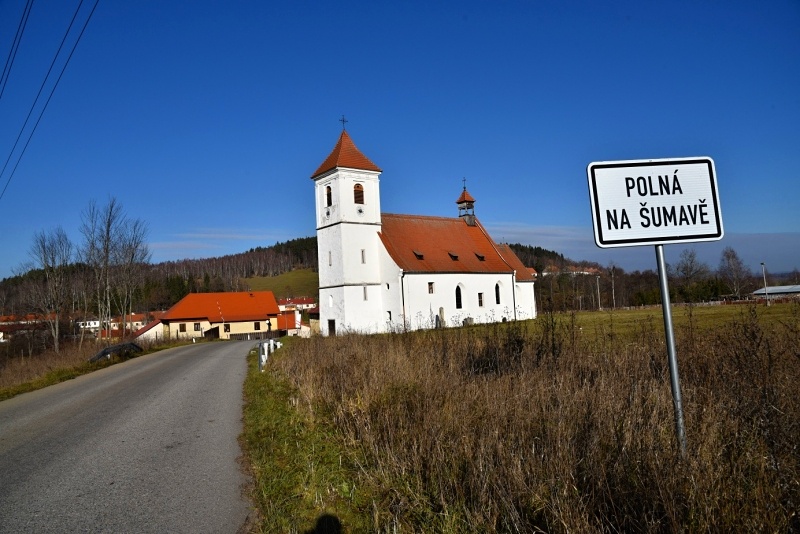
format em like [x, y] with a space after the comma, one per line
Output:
[20, 373]
[562, 424]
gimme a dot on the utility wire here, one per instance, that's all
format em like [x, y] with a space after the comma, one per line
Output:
[53, 90]
[12, 54]
[41, 88]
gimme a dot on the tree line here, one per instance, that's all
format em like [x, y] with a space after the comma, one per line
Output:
[590, 286]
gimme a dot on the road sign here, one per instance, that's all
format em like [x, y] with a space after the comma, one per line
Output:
[653, 202]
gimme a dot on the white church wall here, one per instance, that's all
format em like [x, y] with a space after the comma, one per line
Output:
[370, 210]
[342, 207]
[328, 213]
[360, 260]
[422, 306]
[354, 309]
[526, 300]
[348, 254]
[331, 307]
[391, 280]
[350, 270]
[329, 256]
[364, 311]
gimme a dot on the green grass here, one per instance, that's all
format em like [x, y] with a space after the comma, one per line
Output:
[297, 283]
[300, 469]
[629, 322]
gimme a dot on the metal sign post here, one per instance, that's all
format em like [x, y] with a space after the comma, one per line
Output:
[656, 202]
[671, 353]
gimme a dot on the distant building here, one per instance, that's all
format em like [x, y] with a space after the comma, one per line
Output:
[778, 292]
[22, 325]
[381, 272]
[296, 303]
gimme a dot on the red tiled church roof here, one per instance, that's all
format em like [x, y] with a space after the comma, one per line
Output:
[423, 244]
[224, 307]
[345, 154]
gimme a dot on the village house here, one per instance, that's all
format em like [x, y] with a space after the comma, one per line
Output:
[381, 272]
[238, 315]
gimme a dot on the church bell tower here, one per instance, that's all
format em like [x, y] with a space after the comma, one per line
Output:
[348, 216]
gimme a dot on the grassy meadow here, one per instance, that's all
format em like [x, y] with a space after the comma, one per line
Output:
[296, 283]
[562, 424]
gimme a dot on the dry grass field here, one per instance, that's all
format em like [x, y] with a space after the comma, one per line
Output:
[20, 373]
[25, 373]
[562, 424]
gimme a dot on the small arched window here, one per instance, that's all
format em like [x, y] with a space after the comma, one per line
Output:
[458, 297]
[328, 197]
[358, 193]
[497, 293]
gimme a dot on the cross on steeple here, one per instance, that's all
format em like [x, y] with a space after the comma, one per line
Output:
[464, 180]
[343, 121]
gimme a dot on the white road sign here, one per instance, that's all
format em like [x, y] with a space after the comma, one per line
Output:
[652, 202]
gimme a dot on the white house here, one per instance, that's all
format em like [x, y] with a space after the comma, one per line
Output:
[386, 272]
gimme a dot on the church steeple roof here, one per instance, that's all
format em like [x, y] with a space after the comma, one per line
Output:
[465, 197]
[345, 154]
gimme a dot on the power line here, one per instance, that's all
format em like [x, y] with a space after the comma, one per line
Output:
[52, 91]
[12, 54]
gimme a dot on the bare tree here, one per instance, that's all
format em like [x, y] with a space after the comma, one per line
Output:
[81, 291]
[689, 268]
[99, 228]
[690, 272]
[52, 252]
[129, 256]
[733, 271]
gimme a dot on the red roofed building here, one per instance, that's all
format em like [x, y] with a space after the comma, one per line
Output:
[240, 315]
[386, 272]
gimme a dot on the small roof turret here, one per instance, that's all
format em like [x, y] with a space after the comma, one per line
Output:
[466, 205]
[465, 197]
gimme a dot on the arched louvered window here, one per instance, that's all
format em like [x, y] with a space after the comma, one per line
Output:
[458, 297]
[497, 293]
[328, 197]
[358, 193]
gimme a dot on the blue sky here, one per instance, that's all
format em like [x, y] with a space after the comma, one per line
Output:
[206, 119]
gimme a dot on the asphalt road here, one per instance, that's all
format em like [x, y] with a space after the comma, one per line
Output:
[148, 445]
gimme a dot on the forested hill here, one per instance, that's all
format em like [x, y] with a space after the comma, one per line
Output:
[539, 258]
[160, 285]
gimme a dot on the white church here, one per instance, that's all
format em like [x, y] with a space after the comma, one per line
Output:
[382, 272]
